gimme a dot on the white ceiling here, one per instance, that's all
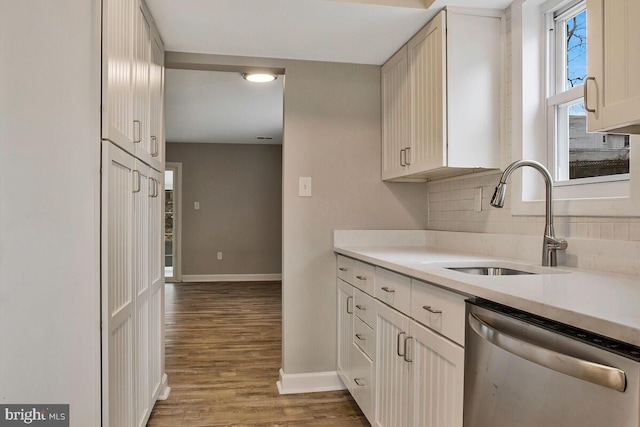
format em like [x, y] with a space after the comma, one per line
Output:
[221, 107]
[205, 106]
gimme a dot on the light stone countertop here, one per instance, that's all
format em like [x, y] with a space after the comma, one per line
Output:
[604, 303]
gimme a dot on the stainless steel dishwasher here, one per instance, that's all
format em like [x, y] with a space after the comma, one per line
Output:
[523, 370]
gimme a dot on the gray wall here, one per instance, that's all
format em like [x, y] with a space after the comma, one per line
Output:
[332, 134]
[239, 187]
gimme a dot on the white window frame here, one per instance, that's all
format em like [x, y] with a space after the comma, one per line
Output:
[607, 196]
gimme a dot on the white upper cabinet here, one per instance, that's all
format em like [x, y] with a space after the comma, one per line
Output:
[612, 88]
[133, 81]
[441, 99]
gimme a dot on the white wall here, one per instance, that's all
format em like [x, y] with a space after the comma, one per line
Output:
[332, 134]
[49, 205]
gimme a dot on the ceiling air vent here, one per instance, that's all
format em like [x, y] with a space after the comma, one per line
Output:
[264, 137]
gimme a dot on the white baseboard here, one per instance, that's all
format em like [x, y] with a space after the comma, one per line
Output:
[309, 383]
[164, 388]
[231, 277]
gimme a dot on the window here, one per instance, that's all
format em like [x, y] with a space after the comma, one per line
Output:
[575, 156]
[548, 69]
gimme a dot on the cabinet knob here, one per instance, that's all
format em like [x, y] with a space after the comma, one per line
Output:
[359, 382]
[361, 337]
[361, 277]
[342, 268]
[387, 289]
[361, 307]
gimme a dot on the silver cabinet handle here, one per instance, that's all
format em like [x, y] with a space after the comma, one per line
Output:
[361, 337]
[361, 277]
[361, 307]
[406, 351]
[349, 299]
[156, 186]
[595, 373]
[398, 343]
[431, 310]
[586, 96]
[387, 289]
[407, 151]
[359, 382]
[342, 268]
[136, 181]
[137, 131]
[151, 186]
[154, 146]
[402, 164]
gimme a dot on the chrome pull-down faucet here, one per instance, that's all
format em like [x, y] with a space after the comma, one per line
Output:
[551, 243]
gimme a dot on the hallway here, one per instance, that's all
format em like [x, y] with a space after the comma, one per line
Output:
[223, 353]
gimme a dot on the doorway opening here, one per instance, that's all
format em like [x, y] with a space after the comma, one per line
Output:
[172, 198]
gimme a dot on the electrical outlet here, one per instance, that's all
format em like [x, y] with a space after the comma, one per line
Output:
[477, 200]
[219, 255]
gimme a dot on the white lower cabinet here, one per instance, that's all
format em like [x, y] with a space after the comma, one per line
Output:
[406, 368]
[132, 290]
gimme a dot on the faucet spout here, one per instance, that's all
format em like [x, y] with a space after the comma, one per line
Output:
[550, 243]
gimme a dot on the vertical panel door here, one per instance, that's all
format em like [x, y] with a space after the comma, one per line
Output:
[613, 86]
[141, 100]
[427, 77]
[141, 276]
[437, 379]
[117, 72]
[392, 367]
[156, 85]
[118, 291]
[155, 248]
[345, 331]
[395, 115]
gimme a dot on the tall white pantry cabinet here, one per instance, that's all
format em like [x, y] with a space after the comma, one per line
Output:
[132, 206]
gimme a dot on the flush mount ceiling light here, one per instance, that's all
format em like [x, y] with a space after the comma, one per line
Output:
[259, 77]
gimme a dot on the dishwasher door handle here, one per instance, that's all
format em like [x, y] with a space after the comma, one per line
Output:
[595, 373]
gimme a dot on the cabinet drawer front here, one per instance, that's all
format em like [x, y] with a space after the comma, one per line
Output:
[393, 289]
[346, 270]
[364, 337]
[364, 277]
[364, 307]
[363, 377]
[438, 309]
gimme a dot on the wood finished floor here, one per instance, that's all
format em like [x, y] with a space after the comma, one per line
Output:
[223, 353]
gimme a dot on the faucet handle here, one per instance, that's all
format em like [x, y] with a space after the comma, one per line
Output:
[556, 243]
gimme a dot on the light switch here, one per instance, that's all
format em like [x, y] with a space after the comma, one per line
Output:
[304, 186]
[196, 205]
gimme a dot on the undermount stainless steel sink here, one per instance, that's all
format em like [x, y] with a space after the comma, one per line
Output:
[490, 271]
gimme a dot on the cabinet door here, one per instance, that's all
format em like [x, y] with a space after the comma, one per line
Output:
[118, 290]
[155, 248]
[614, 65]
[392, 368]
[395, 115]
[437, 379]
[141, 255]
[156, 92]
[345, 331]
[427, 77]
[141, 60]
[117, 72]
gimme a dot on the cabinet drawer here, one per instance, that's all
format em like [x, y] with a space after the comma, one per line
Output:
[346, 269]
[363, 386]
[364, 277]
[438, 309]
[364, 337]
[393, 289]
[364, 307]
